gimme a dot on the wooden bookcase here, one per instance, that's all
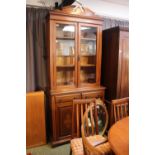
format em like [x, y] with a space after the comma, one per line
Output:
[74, 41]
[115, 65]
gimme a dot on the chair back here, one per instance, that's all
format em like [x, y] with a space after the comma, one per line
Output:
[79, 107]
[120, 108]
[90, 149]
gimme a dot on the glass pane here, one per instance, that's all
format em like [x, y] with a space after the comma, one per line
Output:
[65, 31]
[88, 54]
[65, 76]
[65, 54]
[88, 75]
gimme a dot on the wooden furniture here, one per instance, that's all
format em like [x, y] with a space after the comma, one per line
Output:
[115, 65]
[74, 41]
[35, 119]
[121, 108]
[96, 145]
[118, 137]
[79, 107]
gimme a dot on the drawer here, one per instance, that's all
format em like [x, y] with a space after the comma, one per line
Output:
[95, 94]
[67, 98]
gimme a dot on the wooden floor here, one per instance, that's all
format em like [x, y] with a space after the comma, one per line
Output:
[48, 150]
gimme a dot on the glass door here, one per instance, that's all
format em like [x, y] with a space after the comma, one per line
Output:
[65, 54]
[88, 54]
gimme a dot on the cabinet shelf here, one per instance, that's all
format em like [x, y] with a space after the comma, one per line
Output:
[65, 55]
[88, 65]
[89, 39]
[65, 66]
[65, 38]
[87, 55]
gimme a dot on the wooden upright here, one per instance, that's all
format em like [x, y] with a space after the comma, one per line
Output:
[74, 41]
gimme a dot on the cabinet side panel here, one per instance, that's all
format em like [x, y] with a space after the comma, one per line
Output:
[110, 45]
[123, 74]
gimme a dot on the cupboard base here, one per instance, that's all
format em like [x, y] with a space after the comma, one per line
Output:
[61, 111]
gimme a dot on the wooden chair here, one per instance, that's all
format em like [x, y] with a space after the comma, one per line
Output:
[120, 108]
[96, 147]
[79, 107]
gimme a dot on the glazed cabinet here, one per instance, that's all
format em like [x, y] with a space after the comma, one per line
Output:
[75, 58]
[74, 41]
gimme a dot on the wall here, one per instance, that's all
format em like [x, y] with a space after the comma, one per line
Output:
[100, 7]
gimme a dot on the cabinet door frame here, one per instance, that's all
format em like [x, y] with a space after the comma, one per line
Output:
[98, 54]
[53, 55]
[59, 108]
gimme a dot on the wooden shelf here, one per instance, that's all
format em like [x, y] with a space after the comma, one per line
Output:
[65, 38]
[87, 55]
[88, 65]
[89, 39]
[65, 66]
[64, 83]
[65, 55]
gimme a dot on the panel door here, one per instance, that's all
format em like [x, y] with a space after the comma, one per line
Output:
[65, 55]
[64, 114]
[124, 66]
[89, 55]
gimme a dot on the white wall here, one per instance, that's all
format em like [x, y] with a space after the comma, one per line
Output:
[100, 7]
[38, 2]
[107, 9]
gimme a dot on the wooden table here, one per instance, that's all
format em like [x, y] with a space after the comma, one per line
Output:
[118, 137]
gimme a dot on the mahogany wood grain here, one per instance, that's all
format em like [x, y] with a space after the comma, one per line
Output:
[68, 14]
[115, 65]
[61, 97]
[35, 119]
[123, 90]
[72, 10]
[115, 51]
[62, 104]
[84, 90]
[118, 137]
[93, 94]
[52, 55]
[62, 115]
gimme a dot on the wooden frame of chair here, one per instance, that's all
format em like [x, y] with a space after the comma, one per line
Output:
[88, 147]
[79, 105]
[120, 108]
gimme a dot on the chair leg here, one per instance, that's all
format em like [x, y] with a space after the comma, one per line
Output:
[70, 151]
